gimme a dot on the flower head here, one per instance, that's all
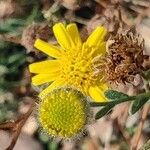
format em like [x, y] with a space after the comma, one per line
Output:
[73, 63]
[64, 113]
[125, 57]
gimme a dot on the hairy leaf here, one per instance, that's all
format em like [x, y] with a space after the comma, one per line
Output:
[139, 102]
[114, 95]
[105, 110]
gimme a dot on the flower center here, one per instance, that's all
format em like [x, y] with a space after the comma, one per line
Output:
[77, 68]
[64, 113]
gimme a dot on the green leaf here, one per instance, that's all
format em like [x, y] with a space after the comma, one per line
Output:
[3, 70]
[109, 105]
[52, 145]
[114, 95]
[33, 15]
[43, 137]
[139, 102]
[10, 25]
[105, 110]
[117, 101]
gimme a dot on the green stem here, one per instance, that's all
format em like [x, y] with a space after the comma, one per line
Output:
[118, 101]
[97, 104]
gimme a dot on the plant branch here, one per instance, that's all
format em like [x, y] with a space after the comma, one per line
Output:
[115, 102]
[118, 101]
[137, 136]
[144, 114]
[16, 126]
[124, 134]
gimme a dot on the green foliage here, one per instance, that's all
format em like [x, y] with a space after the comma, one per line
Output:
[12, 60]
[114, 95]
[139, 102]
[43, 137]
[49, 144]
[131, 130]
[105, 110]
[109, 106]
[7, 110]
[16, 25]
[13, 56]
[52, 145]
[117, 98]
[10, 25]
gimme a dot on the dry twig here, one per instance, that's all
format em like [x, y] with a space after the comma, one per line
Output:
[137, 136]
[124, 134]
[16, 126]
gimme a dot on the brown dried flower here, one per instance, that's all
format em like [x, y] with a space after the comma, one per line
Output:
[125, 57]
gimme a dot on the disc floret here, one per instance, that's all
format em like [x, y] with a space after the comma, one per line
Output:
[64, 113]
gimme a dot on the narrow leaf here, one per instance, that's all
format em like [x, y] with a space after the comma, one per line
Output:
[105, 110]
[109, 105]
[114, 95]
[139, 102]
[118, 101]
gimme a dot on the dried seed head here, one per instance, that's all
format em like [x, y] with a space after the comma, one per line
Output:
[125, 57]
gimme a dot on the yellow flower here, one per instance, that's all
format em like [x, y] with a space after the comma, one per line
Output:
[64, 113]
[73, 62]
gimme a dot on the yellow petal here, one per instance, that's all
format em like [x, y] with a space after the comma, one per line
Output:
[56, 84]
[44, 78]
[62, 36]
[45, 67]
[102, 48]
[97, 93]
[96, 37]
[47, 48]
[103, 87]
[74, 33]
